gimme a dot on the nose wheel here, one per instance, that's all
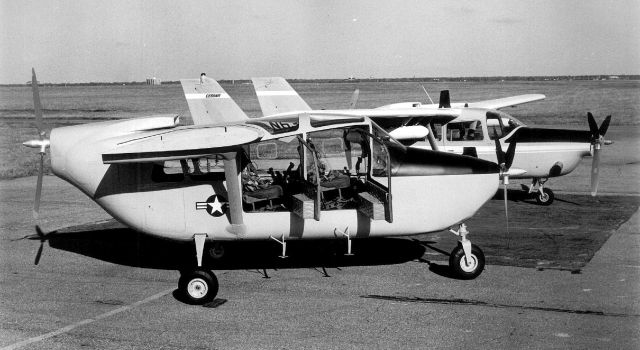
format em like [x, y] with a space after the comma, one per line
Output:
[198, 286]
[466, 260]
[545, 196]
[466, 267]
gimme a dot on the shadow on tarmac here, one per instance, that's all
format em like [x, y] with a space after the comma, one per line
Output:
[124, 246]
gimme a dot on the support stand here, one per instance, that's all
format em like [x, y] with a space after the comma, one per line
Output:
[346, 234]
[284, 246]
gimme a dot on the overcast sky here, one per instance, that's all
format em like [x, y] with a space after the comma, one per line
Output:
[81, 41]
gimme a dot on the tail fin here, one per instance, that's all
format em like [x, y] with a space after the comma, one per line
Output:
[445, 101]
[277, 96]
[209, 103]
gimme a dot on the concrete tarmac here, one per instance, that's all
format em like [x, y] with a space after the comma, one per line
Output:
[72, 301]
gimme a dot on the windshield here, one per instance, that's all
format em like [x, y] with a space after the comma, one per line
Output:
[500, 124]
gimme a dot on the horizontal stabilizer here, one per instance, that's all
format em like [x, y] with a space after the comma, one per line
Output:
[181, 143]
[209, 103]
[277, 96]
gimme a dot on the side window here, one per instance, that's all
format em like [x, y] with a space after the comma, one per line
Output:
[494, 126]
[196, 169]
[205, 165]
[437, 131]
[465, 131]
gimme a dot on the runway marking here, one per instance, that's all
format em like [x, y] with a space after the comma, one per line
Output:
[86, 321]
[495, 305]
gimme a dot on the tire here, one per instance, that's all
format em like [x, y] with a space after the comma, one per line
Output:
[546, 197]
[198, 286]
[458, 264]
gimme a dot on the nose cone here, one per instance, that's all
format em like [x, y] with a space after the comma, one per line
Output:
[420, 162]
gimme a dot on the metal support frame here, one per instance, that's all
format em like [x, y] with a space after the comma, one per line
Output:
[346, 234]
[537, 185]
[462, 232]
[199, 239]
[284, 246]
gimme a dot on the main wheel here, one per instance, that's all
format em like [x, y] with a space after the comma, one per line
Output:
[198, 286]
[466, 269]
[545, 197]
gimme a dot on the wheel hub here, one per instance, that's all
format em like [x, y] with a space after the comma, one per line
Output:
[469, 264]
[197, 288]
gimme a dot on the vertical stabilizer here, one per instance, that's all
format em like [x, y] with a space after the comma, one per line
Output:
[209, 103]
[277, 96]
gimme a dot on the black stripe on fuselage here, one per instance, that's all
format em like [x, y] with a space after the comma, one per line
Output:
[533, 135]
[421, 162]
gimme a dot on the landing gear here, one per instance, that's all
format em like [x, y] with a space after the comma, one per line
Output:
[544, 196]
[198, 286]
[469, 267]
[466, 260]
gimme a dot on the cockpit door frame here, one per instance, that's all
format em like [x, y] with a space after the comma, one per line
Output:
[317, 196]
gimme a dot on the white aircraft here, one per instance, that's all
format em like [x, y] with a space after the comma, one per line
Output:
[479, 129]
[211, 183]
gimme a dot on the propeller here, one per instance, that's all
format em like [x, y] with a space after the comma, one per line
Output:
[354, 99]
[505, 159]
[42, 144]
[597, 140]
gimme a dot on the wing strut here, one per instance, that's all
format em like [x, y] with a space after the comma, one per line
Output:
[232, 175]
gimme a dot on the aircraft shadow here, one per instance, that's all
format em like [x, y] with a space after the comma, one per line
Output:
[515, 195]
[124, 246]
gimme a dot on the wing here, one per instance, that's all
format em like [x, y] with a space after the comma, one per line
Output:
[180, 143]
[277, 96]
[488, 104]
[390, 119]
[209, 103]
[507, 101]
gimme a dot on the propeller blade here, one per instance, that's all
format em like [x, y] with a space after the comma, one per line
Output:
[595, 170]
[511, 152]
[354, 99]
[36, 203]
[604, 126]
[37, 106]
[593, 126]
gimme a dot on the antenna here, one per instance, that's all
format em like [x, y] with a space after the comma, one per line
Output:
[425, 91]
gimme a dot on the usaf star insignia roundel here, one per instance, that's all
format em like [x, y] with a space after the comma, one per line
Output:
[215, 205]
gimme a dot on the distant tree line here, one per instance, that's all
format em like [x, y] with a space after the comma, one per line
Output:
[356, 80]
